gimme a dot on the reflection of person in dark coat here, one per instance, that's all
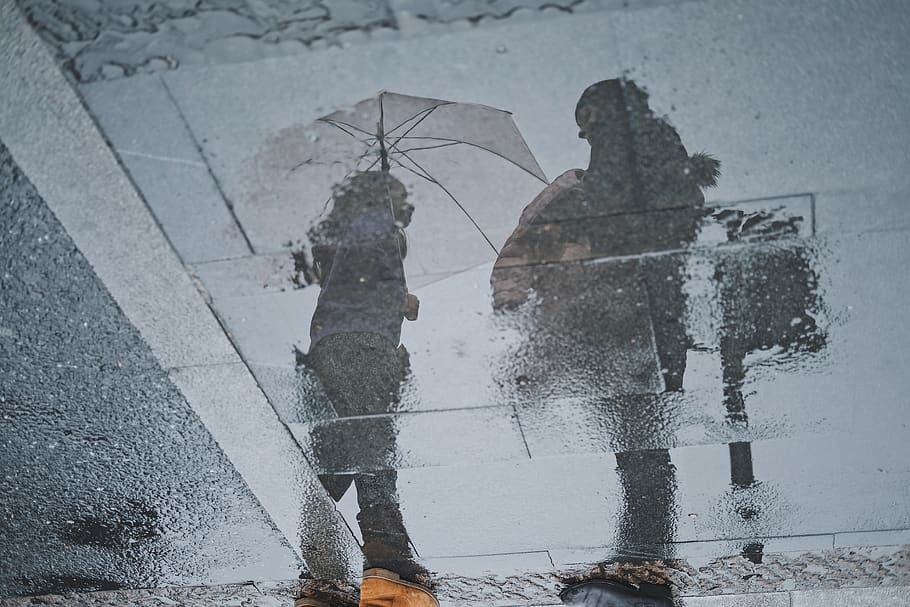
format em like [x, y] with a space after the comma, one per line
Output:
[640, 194]
[615, 327]
[355, 351]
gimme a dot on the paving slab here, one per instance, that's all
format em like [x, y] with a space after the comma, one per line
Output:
[268, 327]
[248, 275]
[692, 498]
[891, 537]
[295, 395]
[506, 497]
[853, 307]
[116, 106]
[777, 599]
[866, 210]
[437, 438]
[189, 207]
[699, 553]
[501, 564]
[165, 163]
[896, 597]
[405, 68]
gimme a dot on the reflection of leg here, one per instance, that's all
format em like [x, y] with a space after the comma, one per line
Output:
[741, 474]
[361, 373]
[380, 516]
[667, 302]
[649, 486]
[385, 539]
[734, 375]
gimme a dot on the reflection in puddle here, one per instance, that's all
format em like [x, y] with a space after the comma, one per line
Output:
[355, 353]
[592, 294]
[608, 324]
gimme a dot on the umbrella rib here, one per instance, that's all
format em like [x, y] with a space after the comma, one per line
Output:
[410, 118]
[336, 123]
[429, 109]
[362, 156]
[422, 175]
[431, 147]
[455, 200]
[494, 152]
[416, 124]
[372, 164]
[337, 126]
[300, 164]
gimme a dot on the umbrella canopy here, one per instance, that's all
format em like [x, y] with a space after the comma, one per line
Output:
[466, 167]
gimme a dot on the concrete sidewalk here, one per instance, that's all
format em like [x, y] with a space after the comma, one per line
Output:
[191, 232]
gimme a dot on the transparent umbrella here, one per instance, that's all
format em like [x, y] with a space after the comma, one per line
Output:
[467, 169]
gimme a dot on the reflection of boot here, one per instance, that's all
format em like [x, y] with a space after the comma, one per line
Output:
[411, 306]
[384, 588]
[609, 593]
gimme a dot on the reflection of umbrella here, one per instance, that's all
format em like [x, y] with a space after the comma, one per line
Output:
[467, 168]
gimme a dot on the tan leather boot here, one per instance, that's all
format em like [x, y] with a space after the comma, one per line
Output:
[384, 588]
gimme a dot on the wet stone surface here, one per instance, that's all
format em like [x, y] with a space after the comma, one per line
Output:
[109, 480]
[632, 372]
[474, 11]
[874, 575]
[105, 39]
[262, 594]
[664, 367]
[675, 355]
[101, 39]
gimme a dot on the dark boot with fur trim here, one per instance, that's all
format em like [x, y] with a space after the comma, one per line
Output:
[610, 593]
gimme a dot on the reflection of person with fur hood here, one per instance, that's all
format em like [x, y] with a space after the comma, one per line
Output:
[642, 193]
[638, 164]
[592, 325]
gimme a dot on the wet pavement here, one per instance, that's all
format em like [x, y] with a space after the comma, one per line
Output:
[681, 361]
[107, 40]
[109, 479]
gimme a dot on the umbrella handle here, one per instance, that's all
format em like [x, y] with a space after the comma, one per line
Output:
[383, 153]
